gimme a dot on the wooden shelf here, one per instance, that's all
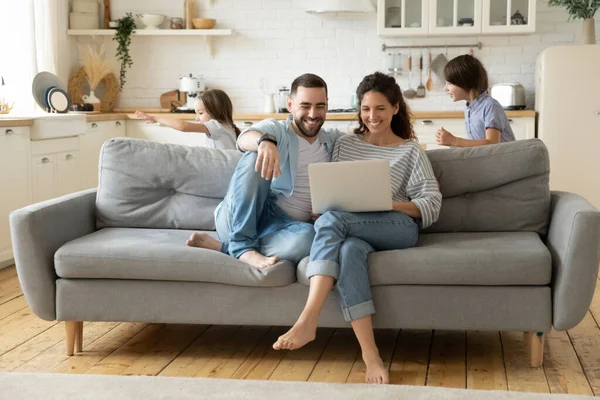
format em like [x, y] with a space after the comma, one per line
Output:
[207, 34]
[152, 32]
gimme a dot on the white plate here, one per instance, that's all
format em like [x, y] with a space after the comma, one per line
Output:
[41, 82]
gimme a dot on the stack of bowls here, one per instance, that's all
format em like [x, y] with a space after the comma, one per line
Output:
[85, 15]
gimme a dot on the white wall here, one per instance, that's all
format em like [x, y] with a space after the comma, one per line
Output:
[278, 40]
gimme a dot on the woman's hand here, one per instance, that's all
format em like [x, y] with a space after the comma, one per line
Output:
[149, 119]
[445, 138]
[268, 160]
[315, 217]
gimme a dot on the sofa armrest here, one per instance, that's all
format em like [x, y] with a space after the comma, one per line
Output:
[574, 242]
[37, 232]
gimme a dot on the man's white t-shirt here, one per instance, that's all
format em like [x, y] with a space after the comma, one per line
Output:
[299, 204]
[221, 136]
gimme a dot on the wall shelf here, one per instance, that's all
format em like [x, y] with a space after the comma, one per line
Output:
[206, 33]
[152, 32]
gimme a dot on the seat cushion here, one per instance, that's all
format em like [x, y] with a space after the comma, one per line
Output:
[489, 258]
[159, 254]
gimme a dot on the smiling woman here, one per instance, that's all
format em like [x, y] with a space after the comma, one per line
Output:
[39, 27]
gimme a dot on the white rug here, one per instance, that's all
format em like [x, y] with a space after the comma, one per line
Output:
[17, 386]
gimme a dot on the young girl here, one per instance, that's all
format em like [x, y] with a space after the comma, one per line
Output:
[485, 120]
[215, 119]
[343, 240]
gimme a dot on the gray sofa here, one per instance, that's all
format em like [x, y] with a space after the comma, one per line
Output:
[506, 253]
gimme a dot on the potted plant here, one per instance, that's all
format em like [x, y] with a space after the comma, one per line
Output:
[123, 37]
[96, 67]
[584, 9]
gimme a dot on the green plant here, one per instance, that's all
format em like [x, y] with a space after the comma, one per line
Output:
[578, 8]
[123, 37]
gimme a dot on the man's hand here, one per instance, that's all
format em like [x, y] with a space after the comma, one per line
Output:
[149, 119]
[268, 160]
[445, 138]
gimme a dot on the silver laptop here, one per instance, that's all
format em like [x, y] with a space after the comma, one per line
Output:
[354, 186]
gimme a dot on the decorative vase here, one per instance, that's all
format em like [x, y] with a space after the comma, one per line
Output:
[92, 99]
[589, 31]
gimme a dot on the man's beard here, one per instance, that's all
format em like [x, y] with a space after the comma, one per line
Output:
[307, 132]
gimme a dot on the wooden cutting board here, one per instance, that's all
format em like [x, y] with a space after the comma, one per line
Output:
[106, 13]
[168, 97]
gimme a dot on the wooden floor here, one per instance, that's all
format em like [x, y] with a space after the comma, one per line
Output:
[478, 360]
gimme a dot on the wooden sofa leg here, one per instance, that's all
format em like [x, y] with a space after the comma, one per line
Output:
[534, 346]
[74, 333]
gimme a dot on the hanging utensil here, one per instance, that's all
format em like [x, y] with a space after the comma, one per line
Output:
[421, 88]
[429, 84]
[410, 93]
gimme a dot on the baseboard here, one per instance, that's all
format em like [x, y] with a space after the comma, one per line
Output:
[6, 259]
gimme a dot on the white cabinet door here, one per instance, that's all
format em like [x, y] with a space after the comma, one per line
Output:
[54, 163]
[44, 179]
[508, 16]
[14, 181]
[455, 17]
[523, 127]
[403, 17]
[68, 175]
[90, 145]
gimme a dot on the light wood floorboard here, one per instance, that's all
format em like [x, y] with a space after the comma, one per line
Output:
[477, 360]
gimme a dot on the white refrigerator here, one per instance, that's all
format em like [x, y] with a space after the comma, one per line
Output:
[567, 103]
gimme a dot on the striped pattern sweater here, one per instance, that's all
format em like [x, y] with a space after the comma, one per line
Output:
[410, 170]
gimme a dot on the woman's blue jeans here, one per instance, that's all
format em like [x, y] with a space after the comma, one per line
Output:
[342, 244]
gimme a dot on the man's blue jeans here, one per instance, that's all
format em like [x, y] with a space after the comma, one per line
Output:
[342, 244]
[250, 219]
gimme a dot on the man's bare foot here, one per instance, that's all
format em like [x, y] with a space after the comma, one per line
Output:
[257, 260]
[299, 335]
[204, 241]
[376, 371]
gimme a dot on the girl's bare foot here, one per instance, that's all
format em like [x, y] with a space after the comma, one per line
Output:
[204, 241]
[299, 335]
[257, 260]
[376, 372]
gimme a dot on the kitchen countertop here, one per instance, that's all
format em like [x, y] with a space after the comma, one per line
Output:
[121, 114]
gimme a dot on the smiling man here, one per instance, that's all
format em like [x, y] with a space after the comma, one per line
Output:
[266, 212]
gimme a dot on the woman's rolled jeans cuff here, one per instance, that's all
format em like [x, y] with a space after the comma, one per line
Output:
[323, 267]
[358, 311]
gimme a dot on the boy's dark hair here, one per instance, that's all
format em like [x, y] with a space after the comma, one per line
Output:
[386, 85]
[218, 105]
[308, 81]
[467, 73]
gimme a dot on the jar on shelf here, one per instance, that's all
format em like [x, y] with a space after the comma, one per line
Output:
[176, 23]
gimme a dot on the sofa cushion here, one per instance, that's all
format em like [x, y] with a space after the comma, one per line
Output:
[144, 184]
[159, 254]
[502, 187]
[494, 258]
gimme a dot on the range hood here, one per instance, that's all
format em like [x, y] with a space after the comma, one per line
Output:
[341, 6]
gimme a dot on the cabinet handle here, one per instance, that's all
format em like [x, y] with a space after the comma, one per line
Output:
[427, 122]
[45, 160]
[68, 157]
[9, 132]
[247, 123]
[510, 121]
[117, 123]
[94, 125]
[597, 112]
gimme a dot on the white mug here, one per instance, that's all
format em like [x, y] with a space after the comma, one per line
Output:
[269, 104]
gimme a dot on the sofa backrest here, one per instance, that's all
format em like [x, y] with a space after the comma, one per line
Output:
[145, 184]
[494, 188]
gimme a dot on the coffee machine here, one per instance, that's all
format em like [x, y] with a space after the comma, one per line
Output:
[193, 86]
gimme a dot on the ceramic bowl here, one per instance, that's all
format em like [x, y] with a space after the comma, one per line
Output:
[204, 23]
[152, 21]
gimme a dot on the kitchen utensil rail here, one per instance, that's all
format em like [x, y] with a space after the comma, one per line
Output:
[477, 45]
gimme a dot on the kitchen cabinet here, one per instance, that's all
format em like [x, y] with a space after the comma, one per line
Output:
[90, 144]
[14, 181]
[405, 18]
[55, 168]
[508, 16]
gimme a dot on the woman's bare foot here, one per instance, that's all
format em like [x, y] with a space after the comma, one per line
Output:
[298, 335]
[204, 241]
[376, 371]
[257, 260]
